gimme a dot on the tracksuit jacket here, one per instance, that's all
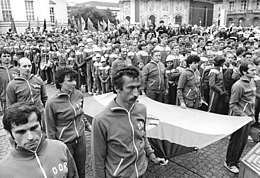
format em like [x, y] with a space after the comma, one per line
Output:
[6, 75]
[64, 114]
[52, 159]
[154, 77]
[188, 85]
[119, 143]
[242, 100]
[31, 90]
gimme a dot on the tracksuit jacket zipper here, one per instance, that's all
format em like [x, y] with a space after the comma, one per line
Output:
[30, 88]
[74, 122]
[40, 165]
[75, 116]
[159, 77]
[133, 135]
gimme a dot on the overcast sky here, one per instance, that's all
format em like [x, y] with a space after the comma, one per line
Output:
[80, 1]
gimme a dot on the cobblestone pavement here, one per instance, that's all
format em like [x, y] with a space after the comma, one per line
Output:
[205, 163]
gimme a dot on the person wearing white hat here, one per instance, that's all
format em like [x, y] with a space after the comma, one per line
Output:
[88, 55]
[81, 65]
[97, 82]
[173, 77]
[104, 75]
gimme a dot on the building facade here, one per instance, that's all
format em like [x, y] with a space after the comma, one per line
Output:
[243, 13]
[171, 11]
[33, 12]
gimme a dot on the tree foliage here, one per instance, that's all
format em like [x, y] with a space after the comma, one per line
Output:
[94, 14]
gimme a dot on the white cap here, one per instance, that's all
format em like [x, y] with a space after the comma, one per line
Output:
[130, 53]
[98, 55]
[169, 58]
[81, 45]
[89, 40]
[96, 49]
[103, 59]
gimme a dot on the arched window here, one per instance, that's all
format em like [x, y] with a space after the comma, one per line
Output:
[178, 19]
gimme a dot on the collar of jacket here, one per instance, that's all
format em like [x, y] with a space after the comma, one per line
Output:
[21, 78]
[114, 106]
[153, 62]
[60, 93]
[21, 152]
[245, 79]
[11, 66]
[188, 69]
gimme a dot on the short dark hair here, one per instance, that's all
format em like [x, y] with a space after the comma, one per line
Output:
[244, 66]
[61, 73]
[5, 51]
[192, 58]
[247, 53]
[219, 60]
[129, 71]
[18, 114]
[155, 51]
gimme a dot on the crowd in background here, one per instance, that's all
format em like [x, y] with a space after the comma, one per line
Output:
[97, 55]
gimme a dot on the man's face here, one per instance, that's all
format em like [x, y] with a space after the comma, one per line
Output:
[164, 40]
[194, 65]
[157, 56]
[27, 135]
[248, 57]
[130, 90]
[124, 52]
[251, 71]
[5, 58]
[176, 49]
[25, 67]
[230, 57]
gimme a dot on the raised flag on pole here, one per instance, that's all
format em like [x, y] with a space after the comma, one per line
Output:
[13, 28]
[104, 25]
[99, 27]
[38, 23]
[79, 24]
[108, 25]
[83, 24]
[56, 24]
[29, 25]
[44, 25]
[90, 25]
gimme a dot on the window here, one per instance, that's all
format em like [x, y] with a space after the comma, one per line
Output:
[6, 10]
[231, 5]
[29, 10]
[258, 4]
[243, 5]
[52, 14]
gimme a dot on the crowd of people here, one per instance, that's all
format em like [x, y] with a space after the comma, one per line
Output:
[212, 69]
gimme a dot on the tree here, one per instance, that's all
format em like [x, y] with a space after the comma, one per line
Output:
[94, 14]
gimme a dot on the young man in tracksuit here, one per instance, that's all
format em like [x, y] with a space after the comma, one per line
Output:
[27, 87]
[7, 73]
[242, 103]
[217, 91]
[188, 86]
[119, 144]
[154, 78]
[33, 154]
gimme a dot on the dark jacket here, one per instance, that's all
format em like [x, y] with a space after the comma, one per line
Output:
[6, 75]
[52, 159]
[119, 143]
[31, 90]
[64, 116]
